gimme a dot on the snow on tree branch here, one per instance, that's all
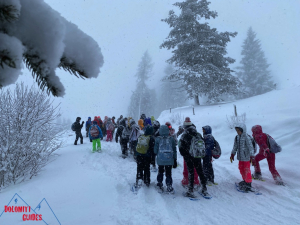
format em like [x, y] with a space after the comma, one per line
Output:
[49, 41]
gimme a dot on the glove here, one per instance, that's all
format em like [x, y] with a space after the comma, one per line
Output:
[232, 158]
[267, 152]
[252, 162]
[175, 164]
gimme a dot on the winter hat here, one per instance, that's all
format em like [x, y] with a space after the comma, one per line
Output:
[78, 118]
[187, 121]
[148, 121]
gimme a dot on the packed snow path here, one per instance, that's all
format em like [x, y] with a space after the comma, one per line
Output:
[94, 188]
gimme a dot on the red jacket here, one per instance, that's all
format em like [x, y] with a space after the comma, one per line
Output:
[260, 138]
[97, 120]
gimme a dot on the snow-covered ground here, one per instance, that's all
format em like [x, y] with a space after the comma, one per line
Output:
[94, 188]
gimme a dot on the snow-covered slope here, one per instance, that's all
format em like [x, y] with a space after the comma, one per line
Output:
[94, 188]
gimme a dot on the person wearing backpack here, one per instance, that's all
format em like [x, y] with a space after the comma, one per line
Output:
[207, 160]
[245, 154]
[123, 132]
[189, 148]
[141, 124]
[77, 129]
[165, 150]
[87, 126]
[145, 146]
[133, 138]
[264, 153]
[109, 129]
[95, 134]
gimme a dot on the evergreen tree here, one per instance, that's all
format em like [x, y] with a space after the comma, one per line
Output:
[254, 71]
[172, 92]
[143, 99]
[30, 30]
[199, 52]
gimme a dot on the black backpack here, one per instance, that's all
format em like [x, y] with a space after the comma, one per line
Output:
[73, 126]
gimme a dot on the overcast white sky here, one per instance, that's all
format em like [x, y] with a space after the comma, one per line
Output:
[126, 29]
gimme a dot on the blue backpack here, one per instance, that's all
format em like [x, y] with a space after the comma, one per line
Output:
[165, 151]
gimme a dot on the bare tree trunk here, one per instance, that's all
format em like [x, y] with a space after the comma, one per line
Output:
[196, 100]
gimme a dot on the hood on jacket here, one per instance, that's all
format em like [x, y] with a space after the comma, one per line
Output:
[191, 130]
[89, 119]
[164, 130]
[207, 129]
[243, 126]
[78, 119]
[149, 130]
[123, 122]
[256, 130]
[141, 123]
[95, 122]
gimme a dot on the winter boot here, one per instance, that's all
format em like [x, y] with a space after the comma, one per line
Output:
[160, 188]
[189, 194]
[246, 187]
[170, 189]
[75, 142]
[257, 176]
[138, 183]
[81, 141]
[242, 184]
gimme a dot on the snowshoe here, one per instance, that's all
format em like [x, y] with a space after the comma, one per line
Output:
[170, 190]
[257, 176]
[205, 194]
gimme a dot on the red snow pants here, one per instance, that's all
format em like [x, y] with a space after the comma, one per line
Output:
[271, 163]
[244, 167]
[185, 180]
[109, 135]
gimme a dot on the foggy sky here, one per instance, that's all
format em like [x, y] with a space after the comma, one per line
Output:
[124, 30]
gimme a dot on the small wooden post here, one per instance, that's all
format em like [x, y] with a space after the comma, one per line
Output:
[193, 110]
[170, 110]
[235, 112]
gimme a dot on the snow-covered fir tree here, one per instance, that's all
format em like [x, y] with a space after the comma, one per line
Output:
[30, 30]
[254, 71]
[172, 91]
[143, 99]
[199, 52]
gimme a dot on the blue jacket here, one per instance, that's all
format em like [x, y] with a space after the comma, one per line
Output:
[100, 132]
[164, 133]
[208, 140]
[88, 123]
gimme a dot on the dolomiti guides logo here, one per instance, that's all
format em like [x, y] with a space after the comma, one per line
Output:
[18, 210]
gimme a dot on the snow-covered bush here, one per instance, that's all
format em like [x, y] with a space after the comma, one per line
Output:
[28, 135]
[177, 118]
[235, 119]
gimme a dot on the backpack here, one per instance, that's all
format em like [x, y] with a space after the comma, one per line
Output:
[216, 152]
[165, 151]
[73, 127]
[143, 144]
[125, 133]
[197, 148]
[94, 132]
[273, 146]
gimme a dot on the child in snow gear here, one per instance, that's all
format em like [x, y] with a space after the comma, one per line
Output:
[77, 128]
[115, 126]
[109, 129]
[156, 126]
[87, 126]
[95, 134]
[185, 180]
[207, 160]
[141, 124]
[165, 149]
[191, 161]
[133, 138]
[264, 153]
[145, 146]
[123, 132]
[245, 153]
[119, 119]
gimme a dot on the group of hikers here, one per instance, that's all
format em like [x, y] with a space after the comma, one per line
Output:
[152, 143]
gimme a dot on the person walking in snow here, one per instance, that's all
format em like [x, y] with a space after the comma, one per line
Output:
[95, 134]
[207, 160]
[245, 154]
[144, 148]
[123, 132]
[192, 163]
[133, 138]
[109, 129]
[87, 126]
[119, 119]
[141, 124]
[78, 128]
[165, 149]
[264, 153]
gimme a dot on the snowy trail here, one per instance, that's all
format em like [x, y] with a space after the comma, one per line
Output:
[94, 188]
